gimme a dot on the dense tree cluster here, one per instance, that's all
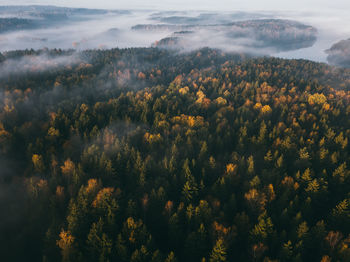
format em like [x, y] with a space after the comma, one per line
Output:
[275, 34]
[147, 155]
[12, 24]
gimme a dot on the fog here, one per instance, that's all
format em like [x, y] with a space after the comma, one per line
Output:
[218, 5]
[36, 64]
[105, 31]
[333, 26]
[110, 30]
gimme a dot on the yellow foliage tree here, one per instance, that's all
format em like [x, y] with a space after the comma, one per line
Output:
[317, 98]
[38, 163]
[221, 101]
[53, 132]
[184, 90]
[266, 109]
[230, 168]
[65, 243]
[68, 168]
[102, 194]
[92, 186]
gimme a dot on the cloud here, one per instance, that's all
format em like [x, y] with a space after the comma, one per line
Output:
[262, 36]
[339, 54]
[332, 26]
[223, 5]
[113, 29]
[92, 31]
[31, 64]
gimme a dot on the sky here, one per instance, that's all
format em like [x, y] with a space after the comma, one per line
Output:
[227, 5]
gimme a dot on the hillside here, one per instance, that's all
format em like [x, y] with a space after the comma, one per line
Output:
[339, 54]
[257, 36]
[151, 155]
[17, 18]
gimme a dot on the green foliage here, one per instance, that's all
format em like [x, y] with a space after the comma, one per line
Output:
[149, 155]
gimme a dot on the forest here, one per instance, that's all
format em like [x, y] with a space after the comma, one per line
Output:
[145, 154]
[339, 53]
[273, 34]
[19, 18]
[11, 24]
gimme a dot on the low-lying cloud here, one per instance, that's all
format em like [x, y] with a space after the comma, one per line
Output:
[263, 36]
[339, 54]
[30, 64]
[104, 29]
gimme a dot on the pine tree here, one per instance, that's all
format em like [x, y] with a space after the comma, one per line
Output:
[218, 253]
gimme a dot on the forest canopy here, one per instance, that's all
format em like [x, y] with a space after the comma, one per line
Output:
[339, 54]
[145, 154]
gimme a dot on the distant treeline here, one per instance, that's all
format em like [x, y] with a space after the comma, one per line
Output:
[12, 24]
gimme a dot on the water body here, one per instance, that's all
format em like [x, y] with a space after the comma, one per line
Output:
[332, 26]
